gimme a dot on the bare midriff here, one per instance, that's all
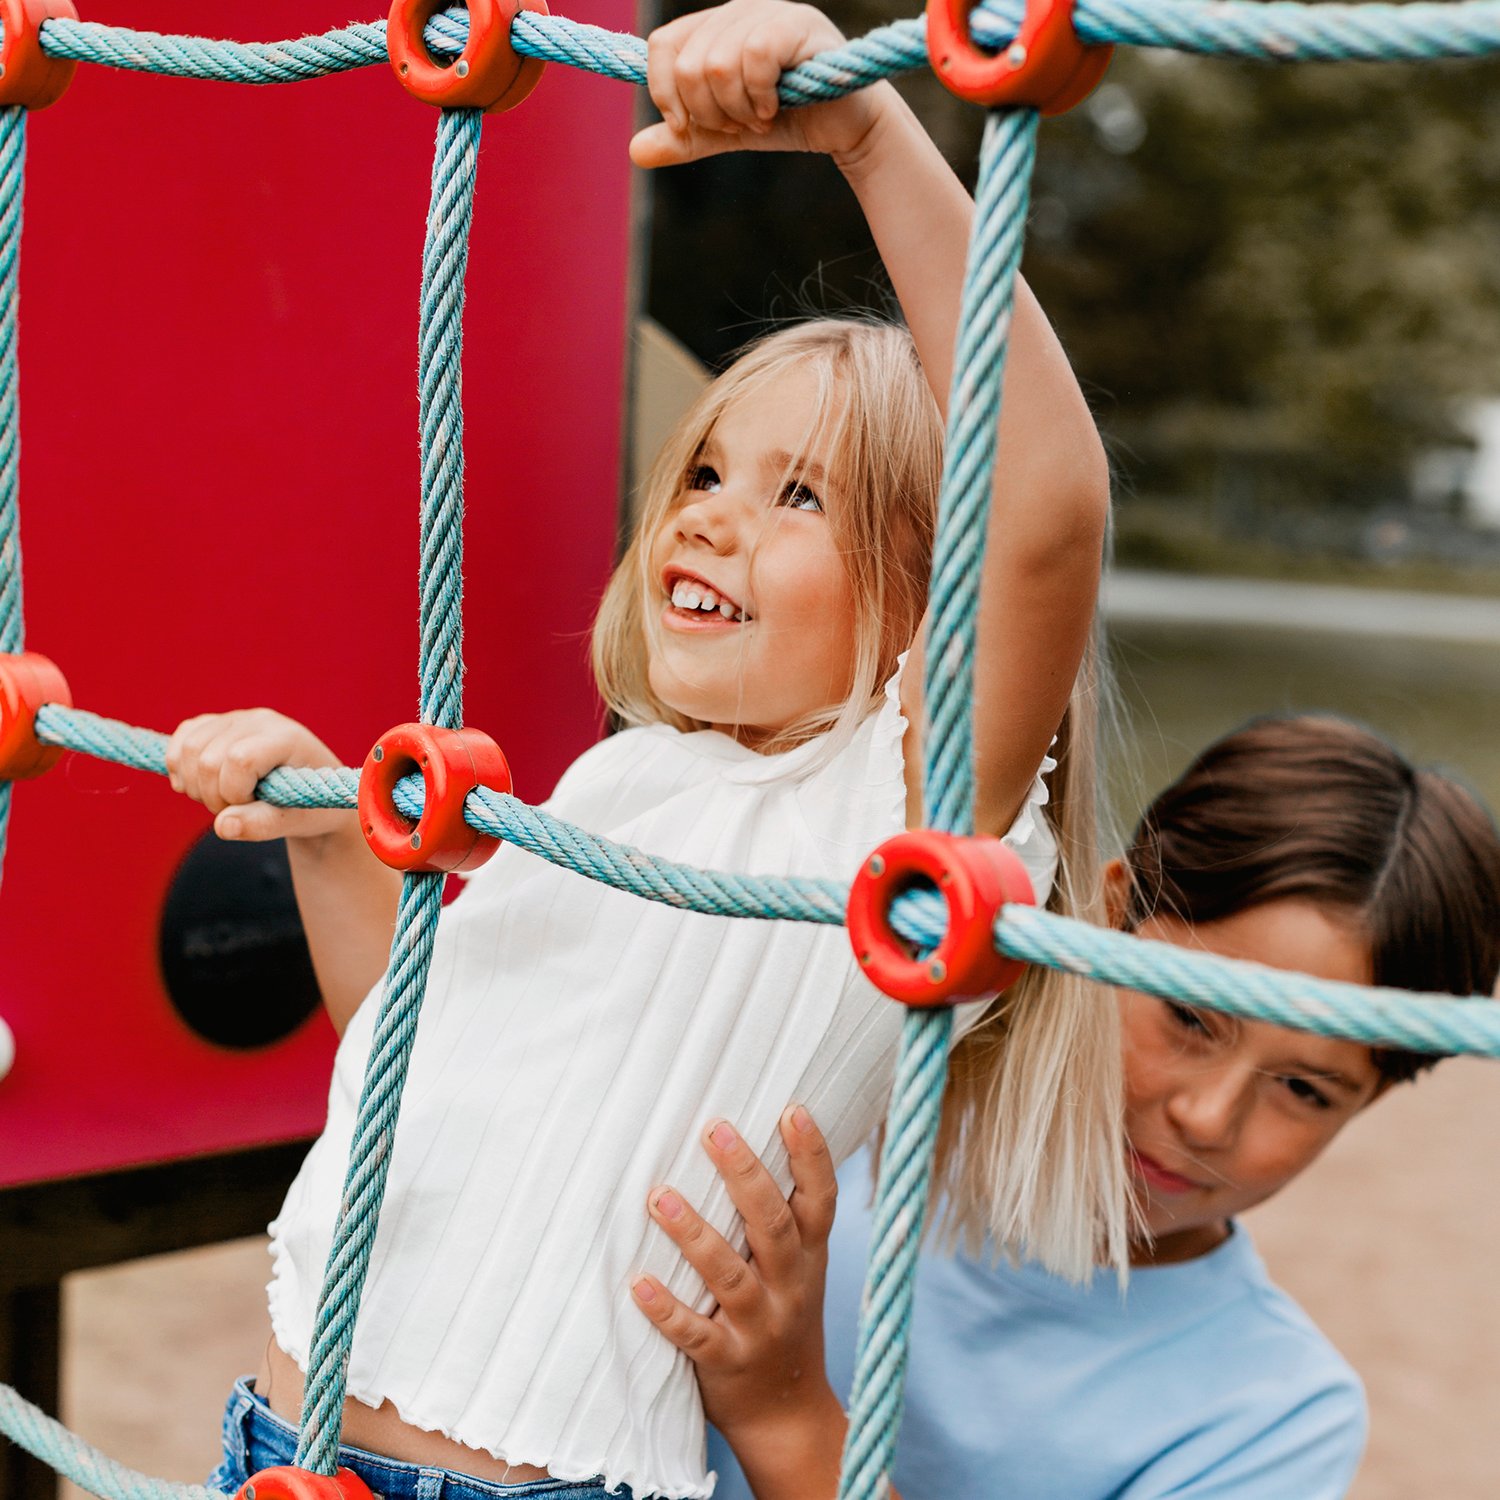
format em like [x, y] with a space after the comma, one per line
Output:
[380, 1430]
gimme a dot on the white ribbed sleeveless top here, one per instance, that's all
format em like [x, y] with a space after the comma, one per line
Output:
[573, 1044]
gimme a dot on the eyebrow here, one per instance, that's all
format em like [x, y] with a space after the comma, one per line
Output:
[788, 463]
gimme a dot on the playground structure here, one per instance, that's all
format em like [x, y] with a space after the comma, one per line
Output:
[934, 890]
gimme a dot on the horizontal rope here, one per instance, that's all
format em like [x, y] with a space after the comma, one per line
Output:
[29, 1427]
[1266, 30]
[1419, 1022]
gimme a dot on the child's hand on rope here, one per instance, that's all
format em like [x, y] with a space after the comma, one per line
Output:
[713, 76]
[759, 1357]
[217, 759]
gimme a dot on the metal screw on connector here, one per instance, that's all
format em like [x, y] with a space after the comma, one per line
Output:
[2, 70]
[937, 971]
[416, 841]
[461, 67]
[877, 864]
[378, 754]
[404, 69]
[249, 1492]
[1016, 57]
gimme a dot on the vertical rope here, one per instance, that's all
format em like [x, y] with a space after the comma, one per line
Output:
[958, 558]
[12, 178]
[444, 261]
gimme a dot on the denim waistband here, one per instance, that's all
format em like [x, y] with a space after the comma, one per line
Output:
[255, 1438]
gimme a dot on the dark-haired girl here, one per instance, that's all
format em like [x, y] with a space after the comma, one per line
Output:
[1302, 843]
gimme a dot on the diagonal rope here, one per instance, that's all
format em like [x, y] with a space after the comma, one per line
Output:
[953, 604]
[444, 260]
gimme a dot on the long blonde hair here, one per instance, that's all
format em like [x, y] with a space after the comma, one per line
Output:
[1031, 1157]
[1030, 1153]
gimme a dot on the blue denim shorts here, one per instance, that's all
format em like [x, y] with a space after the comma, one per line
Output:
[255, 1438]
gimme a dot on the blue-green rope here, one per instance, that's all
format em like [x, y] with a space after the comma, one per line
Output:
[1396, 1018]
[964, 501]
[440, 682]
[12, 621]
[1274, 31]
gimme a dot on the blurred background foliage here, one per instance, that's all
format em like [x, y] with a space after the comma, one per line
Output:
[1280, 286]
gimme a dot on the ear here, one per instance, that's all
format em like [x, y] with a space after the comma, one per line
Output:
[1116, 893]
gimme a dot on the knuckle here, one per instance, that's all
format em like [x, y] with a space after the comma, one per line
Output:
[782, 1224]
[732, 1278]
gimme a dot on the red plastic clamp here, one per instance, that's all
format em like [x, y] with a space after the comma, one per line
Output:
[27, 682]
[976, 877]
[1046, 66]
[27, 75]
[452, 762]
[287, 1483]
[487, 74]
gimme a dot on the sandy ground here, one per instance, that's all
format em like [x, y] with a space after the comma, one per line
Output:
[1388, 1242]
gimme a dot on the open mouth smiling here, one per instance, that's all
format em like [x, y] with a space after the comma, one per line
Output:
[691, 599]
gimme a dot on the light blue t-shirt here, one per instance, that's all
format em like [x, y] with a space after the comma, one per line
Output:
[1202, 1381]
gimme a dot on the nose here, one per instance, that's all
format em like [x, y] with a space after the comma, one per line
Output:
[711, 518]
[1207, 1106]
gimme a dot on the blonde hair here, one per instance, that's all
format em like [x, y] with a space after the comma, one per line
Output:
[1031, 1157]
[1030, 1152]
[885, 442]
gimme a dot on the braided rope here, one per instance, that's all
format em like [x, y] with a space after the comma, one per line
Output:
[1264, 30]
[444, 261]
[1000, 200]
[29, 1427]
[12, 176]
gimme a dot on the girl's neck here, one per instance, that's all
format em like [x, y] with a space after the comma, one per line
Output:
[1180, 1245]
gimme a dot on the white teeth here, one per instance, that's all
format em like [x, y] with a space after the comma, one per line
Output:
[686, 595]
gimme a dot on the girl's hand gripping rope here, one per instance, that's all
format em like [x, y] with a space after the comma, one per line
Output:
[713, 76]
[347, 898]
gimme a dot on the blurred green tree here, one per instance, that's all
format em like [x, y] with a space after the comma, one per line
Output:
[1281, 282]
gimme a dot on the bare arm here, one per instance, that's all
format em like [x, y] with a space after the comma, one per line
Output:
[347, 898]
[713, 75]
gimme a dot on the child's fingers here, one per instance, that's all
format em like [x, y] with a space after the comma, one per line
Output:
[762, 64]
[770, 1225]
[661, 146]
[816, 1191]
[662, 48]
[726, 1274]
[243, 756]
[694, 86]
[700, 1338]
[724, 64]
[184, 756]
[256, 822]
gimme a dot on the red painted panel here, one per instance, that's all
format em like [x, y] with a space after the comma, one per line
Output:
[219, 505]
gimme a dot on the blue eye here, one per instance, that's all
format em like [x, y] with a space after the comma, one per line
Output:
[801, 497]
[703, 477]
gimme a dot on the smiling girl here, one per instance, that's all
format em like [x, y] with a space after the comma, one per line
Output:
[1300, 843]
[761, 641]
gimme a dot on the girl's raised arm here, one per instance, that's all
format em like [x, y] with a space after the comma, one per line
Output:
[713, 75]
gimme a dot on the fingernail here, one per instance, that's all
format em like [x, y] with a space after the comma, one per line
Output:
[644, 1291]
[668, 1204]
[722, 1135]
[801, 1120]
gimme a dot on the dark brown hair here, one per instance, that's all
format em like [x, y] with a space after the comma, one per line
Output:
[1323, 810]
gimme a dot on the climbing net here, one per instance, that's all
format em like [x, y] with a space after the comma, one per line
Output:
[434, 793]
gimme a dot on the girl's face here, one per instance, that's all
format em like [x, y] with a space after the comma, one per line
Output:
[1221, 1113]
[756, 608]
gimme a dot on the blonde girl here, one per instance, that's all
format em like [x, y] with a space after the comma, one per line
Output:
[761, 641]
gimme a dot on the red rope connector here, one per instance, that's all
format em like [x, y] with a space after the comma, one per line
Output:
[29, 77]
[1046, 66]
[976, 876]
[452, 762]
[284, 1482]
[27, 683]
[487, 74]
